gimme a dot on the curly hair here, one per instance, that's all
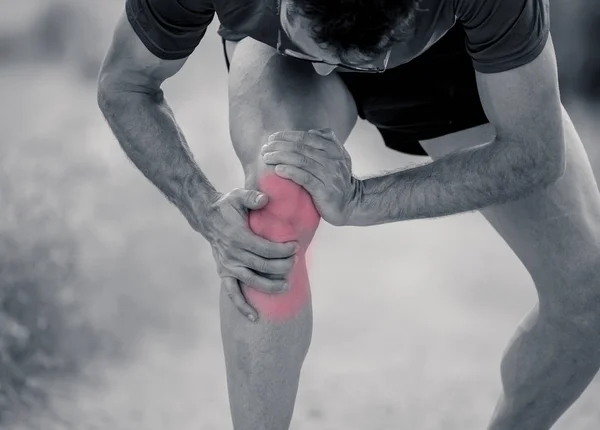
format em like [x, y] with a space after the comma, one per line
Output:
[362, 28]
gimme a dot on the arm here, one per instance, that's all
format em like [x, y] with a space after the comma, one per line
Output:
[523, 104]
[130, 97]
[133, 103]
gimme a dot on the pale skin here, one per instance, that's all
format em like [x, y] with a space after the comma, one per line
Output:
[529, 175]
[549, 217]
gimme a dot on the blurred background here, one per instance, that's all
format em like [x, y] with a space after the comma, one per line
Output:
[108, 299]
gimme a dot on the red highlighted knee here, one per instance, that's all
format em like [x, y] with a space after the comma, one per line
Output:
[289, 215]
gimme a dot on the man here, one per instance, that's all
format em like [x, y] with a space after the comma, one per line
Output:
[471, 83]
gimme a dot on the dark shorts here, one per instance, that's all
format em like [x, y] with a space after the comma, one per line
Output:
[433, 95]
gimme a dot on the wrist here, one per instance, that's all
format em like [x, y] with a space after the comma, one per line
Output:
[355, 215]
[379, 200]
[196, 199]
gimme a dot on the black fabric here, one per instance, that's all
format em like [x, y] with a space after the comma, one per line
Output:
[501, 34]
[225, 54]
[504, 34]
[170, 29]
[431, 96]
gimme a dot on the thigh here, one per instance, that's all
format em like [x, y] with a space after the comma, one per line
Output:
[269, 93]
[555, 232]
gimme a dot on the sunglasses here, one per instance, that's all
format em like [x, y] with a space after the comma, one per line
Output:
[287, 48]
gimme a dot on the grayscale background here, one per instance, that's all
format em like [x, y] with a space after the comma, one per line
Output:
[108, 299]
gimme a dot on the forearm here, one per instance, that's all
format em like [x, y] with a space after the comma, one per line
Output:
[148, 133]
[466, 180]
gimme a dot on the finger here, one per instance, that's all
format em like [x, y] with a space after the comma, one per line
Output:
[260, 283]
[302, 148]
[317, 166]
[287, 135]
[263, 247]
[250, 199]
[277, 266]
[326, 133]
[308, 181]
[234, 292]
[314, 138]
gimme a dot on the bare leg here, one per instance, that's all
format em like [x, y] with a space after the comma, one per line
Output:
[269, 93]
[555, 352]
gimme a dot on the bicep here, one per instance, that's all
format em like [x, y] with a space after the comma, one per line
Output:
[130, 66]
[503, 34]
[524, 103]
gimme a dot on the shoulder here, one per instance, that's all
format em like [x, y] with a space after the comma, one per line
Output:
[503, 34]
[495, 12]
[170, 29]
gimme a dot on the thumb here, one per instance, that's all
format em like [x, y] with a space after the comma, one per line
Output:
[253, 199]
[326, 133]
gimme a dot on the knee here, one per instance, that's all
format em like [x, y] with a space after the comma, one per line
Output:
[290, 215]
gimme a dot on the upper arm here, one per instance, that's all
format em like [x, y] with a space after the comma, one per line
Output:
[152, 41]
[129, 65]
[524, 106]
[513, 56]
[503, 34]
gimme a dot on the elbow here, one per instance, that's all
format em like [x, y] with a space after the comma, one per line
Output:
[102, 100]
[115, 89]
[105, 87]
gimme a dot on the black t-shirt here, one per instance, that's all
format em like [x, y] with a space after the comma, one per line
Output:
[501, 34]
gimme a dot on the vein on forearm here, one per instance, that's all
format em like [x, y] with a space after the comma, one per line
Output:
[146, 129]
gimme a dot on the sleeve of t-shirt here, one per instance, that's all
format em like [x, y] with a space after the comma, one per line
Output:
[504, 34]
[170, 29]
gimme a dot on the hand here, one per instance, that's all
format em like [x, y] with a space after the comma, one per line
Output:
[240, 254]
[317, 161]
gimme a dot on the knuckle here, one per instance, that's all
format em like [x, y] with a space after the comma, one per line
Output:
[236, 192]
[224, 263]
[226, 256]
[226, 284]
[237, 299]
[308, 149]
[305, 161]
[262, 265]
[253, 261]
[247, 277]
[234, 241]
[254, 245]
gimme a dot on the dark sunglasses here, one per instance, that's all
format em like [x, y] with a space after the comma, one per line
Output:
[287, 48]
